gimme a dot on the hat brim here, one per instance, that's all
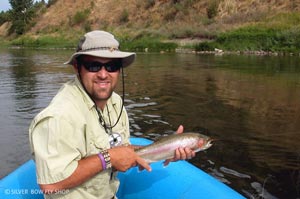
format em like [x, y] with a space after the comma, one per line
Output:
[127, 57]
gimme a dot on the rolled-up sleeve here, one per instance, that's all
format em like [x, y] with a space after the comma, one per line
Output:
[56, 147]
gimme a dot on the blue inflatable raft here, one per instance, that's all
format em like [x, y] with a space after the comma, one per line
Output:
[178, 180]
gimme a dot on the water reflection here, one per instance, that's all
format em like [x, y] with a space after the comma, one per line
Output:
[26, 86]
[249, 104]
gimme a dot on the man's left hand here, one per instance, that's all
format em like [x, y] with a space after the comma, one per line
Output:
[181, 153]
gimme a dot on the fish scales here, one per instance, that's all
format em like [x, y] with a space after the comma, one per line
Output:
[165, 147]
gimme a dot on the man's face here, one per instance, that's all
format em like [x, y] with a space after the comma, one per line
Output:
[101, 84]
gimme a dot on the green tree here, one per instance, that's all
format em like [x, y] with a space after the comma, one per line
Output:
[4, 17]
[21, 14]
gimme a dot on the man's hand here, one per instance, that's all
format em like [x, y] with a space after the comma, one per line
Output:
[182, 153]
[123, 158]
[180, 129]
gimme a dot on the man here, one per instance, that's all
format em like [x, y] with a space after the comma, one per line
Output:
[82, 138]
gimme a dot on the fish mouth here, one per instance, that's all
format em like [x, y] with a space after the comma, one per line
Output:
[208, 143]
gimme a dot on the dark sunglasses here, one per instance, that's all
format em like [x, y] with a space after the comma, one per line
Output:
[95, 66]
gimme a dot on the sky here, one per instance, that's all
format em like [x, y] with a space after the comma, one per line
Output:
[4, 5]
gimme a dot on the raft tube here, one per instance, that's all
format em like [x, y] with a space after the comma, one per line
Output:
[178, 180]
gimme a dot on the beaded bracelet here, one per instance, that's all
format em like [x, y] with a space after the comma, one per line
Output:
[102, 161]
[105, 159]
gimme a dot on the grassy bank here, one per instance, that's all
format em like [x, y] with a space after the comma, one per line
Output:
[277, 34]
[250, 38]
[281, 33]
[145, 44]
[256, 39]
[44, 42]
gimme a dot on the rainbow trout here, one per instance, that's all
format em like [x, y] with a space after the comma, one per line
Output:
[165, 147]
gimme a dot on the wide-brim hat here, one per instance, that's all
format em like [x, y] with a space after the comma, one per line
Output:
[101, 44]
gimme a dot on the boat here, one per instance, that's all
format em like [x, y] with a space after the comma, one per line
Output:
[178, 180]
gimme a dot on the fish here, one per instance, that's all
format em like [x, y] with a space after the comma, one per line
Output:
[164, 148]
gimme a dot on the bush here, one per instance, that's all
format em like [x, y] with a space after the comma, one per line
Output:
[87, 26]
[149, 4]
[81, 16]
[4, 17]
[124, 16]
[204, 46]
[50, 3]
[170, 14]
[261, 38]
[212, 9]
[18, 26]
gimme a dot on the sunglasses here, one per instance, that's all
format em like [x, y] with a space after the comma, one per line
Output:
[95, 66]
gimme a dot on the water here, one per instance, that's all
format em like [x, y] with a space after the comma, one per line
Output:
[250, 104]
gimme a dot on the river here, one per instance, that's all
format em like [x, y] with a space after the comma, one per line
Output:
[249, 104]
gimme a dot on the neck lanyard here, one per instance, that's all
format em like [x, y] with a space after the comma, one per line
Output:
[115, 139]
[108, 129]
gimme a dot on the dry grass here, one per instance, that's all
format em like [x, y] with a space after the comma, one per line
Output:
[187, 18]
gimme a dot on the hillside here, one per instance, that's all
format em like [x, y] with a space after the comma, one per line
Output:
[186, 20]
[171, 18]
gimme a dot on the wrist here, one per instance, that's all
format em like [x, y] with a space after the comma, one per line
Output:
[103, 163]
[105, 159]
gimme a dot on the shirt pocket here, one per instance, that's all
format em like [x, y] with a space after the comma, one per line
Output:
[101, 142]
[96, 140]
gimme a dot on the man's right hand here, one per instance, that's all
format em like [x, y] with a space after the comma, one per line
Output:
[123, 158]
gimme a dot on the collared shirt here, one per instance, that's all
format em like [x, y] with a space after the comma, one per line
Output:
[67, 131]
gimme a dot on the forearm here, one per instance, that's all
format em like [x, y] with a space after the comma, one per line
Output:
[122, 158]
[86, 169]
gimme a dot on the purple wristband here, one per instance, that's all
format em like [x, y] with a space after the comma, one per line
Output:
[102, 161]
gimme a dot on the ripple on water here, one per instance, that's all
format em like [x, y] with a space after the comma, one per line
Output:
[140, 105]
[261, 192]
[234, 173]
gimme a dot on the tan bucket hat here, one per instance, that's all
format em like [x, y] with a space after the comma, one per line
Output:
[101, 44]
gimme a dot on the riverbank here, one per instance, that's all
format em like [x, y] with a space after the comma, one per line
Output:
[165, 26]
[260, 39]
[222, 52]
[184, 46]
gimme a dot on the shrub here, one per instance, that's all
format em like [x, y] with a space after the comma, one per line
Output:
[212, 9]
[4, 17]
[81, 16]
[204, 46]
[87, 26]
[124, 16]
[261, 38]
[170, 14]
[149, 4]
[50, 3]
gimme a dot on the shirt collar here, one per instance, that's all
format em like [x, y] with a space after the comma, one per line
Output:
[85, 96]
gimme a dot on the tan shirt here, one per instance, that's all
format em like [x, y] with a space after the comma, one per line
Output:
[69, 130]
